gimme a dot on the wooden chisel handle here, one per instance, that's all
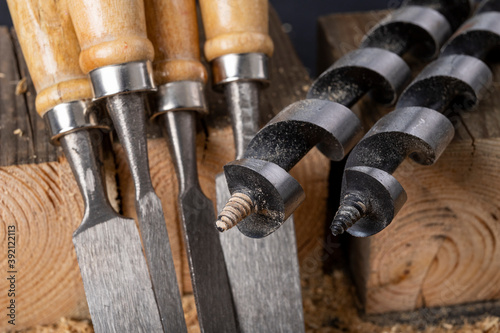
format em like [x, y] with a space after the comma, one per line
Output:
[236, 26]
[173, 29]
[110, 32]
[51, 50]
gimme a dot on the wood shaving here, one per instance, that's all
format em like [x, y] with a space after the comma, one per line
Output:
[22, 86]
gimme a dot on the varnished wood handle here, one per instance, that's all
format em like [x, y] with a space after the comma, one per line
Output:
[51, 50]
[173, 29]
[236, 26]
[110, 32]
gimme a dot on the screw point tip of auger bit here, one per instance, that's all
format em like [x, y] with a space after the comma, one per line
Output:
[238, 207]
[351, 210]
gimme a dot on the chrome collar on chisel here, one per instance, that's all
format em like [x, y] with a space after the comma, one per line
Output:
[324, 119]
[240, 67]
[419, 128]
[73, 116]
[179, 96]
[128, 77]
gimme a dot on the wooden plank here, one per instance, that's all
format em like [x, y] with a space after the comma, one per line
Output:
[441, 249]
[43, 150]
[15, 129]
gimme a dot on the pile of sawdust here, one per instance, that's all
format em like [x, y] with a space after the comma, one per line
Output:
[329, 307]
[63, 326]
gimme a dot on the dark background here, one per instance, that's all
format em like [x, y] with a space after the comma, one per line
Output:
[299, 20]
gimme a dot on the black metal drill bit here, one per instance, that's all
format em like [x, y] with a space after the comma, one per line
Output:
[420, 127]
[261, 178]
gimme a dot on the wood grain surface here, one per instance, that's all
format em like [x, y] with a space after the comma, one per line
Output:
[442, 247]
[173, 29]
[51, 51]
[39, 195]
[230, 27]
[110, 32]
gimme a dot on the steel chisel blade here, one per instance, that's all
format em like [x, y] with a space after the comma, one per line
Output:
[206, 261]
[115, 276]
[264, 275]
[160, 261]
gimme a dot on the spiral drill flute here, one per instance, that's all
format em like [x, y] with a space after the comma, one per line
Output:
[264, 195]
[420, 127]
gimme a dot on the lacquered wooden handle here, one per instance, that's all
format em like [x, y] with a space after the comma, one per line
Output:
[236, 26]
[51, 50]
[173, 29]
[110, 32]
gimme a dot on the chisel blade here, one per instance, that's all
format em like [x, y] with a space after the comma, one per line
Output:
[115, 276]
[108, 248]
[128, 114]
[264, 275]
[160, 261]
[206, 261]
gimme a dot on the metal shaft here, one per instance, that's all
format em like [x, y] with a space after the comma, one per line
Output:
[180, 127]
[84, 162]
[113, 269]
[242, 98]
[206, 260]
[128, 114]
[243, 103]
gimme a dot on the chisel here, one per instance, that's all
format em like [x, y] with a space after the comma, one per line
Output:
[180, 77]
[264, 273]
[108, 248]
[117, 55]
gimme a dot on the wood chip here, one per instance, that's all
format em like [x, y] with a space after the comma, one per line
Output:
[22, 86]
[489, 323]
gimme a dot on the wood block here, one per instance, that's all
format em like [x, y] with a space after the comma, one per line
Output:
[442, 248]
[40, 197]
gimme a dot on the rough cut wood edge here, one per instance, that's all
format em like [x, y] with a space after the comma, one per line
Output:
[442, 248]
[43, 202]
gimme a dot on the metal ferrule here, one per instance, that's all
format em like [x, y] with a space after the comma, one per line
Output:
[180, 96]
[71, 117]
[116, 79]
[240, 67]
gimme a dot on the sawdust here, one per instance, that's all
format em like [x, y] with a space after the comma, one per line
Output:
[63, 326]
[329, 307]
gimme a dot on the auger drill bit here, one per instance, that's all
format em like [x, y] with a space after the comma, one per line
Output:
[117, 56]
[264, 274]
[108, 247]
[180, 76]
[420, 127]
[260, 182]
